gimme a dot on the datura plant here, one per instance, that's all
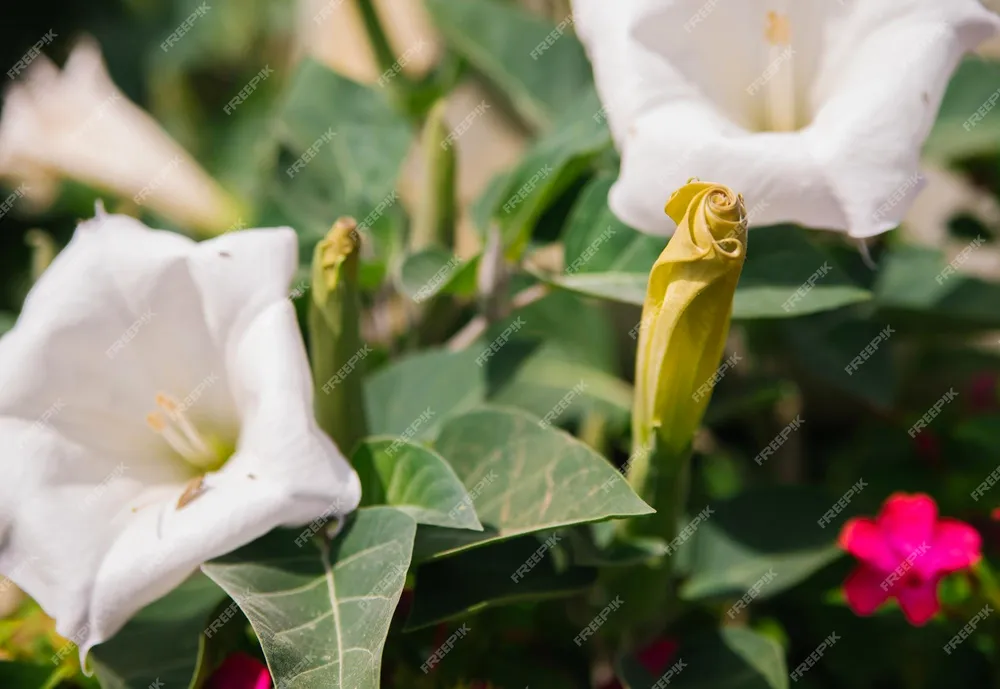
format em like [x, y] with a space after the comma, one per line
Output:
[492, 344]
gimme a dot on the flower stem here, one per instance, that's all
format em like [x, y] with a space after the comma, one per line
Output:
[376, 35]
[434, 224]
[660, 477]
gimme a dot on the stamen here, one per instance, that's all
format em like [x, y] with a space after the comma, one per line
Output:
[779, 74]
[177, 429]
[172, 407]
[165, 402]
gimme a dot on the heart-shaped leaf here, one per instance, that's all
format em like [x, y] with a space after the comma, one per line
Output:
[415, 480]
[322, 610]
[525, 476]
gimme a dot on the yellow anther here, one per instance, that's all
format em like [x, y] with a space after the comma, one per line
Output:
[779, 29]
[156, 422]
[166, 402]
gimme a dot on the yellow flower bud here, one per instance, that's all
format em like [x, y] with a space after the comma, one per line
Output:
[685, 318]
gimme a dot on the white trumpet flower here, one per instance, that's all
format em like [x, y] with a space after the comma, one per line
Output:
[156, 412]
[815, 110]
[75, 123]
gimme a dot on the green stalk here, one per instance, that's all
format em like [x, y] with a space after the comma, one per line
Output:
[376, 34]
[660, 477]
[434, 224]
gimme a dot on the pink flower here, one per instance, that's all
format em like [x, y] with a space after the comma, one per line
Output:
[240, 671]
[904, 553]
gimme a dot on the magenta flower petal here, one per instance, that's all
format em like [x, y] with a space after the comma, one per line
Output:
[907, 522]
[864, 591]
[863, 539]
[904, 554]
[956, 545]
[240, 671]
[918, 601]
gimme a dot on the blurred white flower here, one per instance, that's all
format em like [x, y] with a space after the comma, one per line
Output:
[333, 32]
[156, 412]
[76, 123]
[818, 107]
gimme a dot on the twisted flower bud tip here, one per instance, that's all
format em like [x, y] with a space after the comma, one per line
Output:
[340, 241]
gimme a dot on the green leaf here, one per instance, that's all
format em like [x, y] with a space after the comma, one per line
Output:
[486, 577]
[780, 261]
[322, 611]
[414, 480]
[557, 160]
[359, 141]
[768, 534]
[491, 198]
[972, 85]
[164, 641]
[413, 396]
[17, 675]
[914, 280]
[827, 346]
[595, 241]
[502, 42]
[626, 288]
[7, 320]
[569, 328]
[525, 478]
[733, 658]
[546, 378]
[434, 271]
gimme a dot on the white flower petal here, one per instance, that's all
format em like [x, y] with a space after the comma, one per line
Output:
[83, 465]
[779, 179]
[883, 97]
[115, 320]
[676, 76]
